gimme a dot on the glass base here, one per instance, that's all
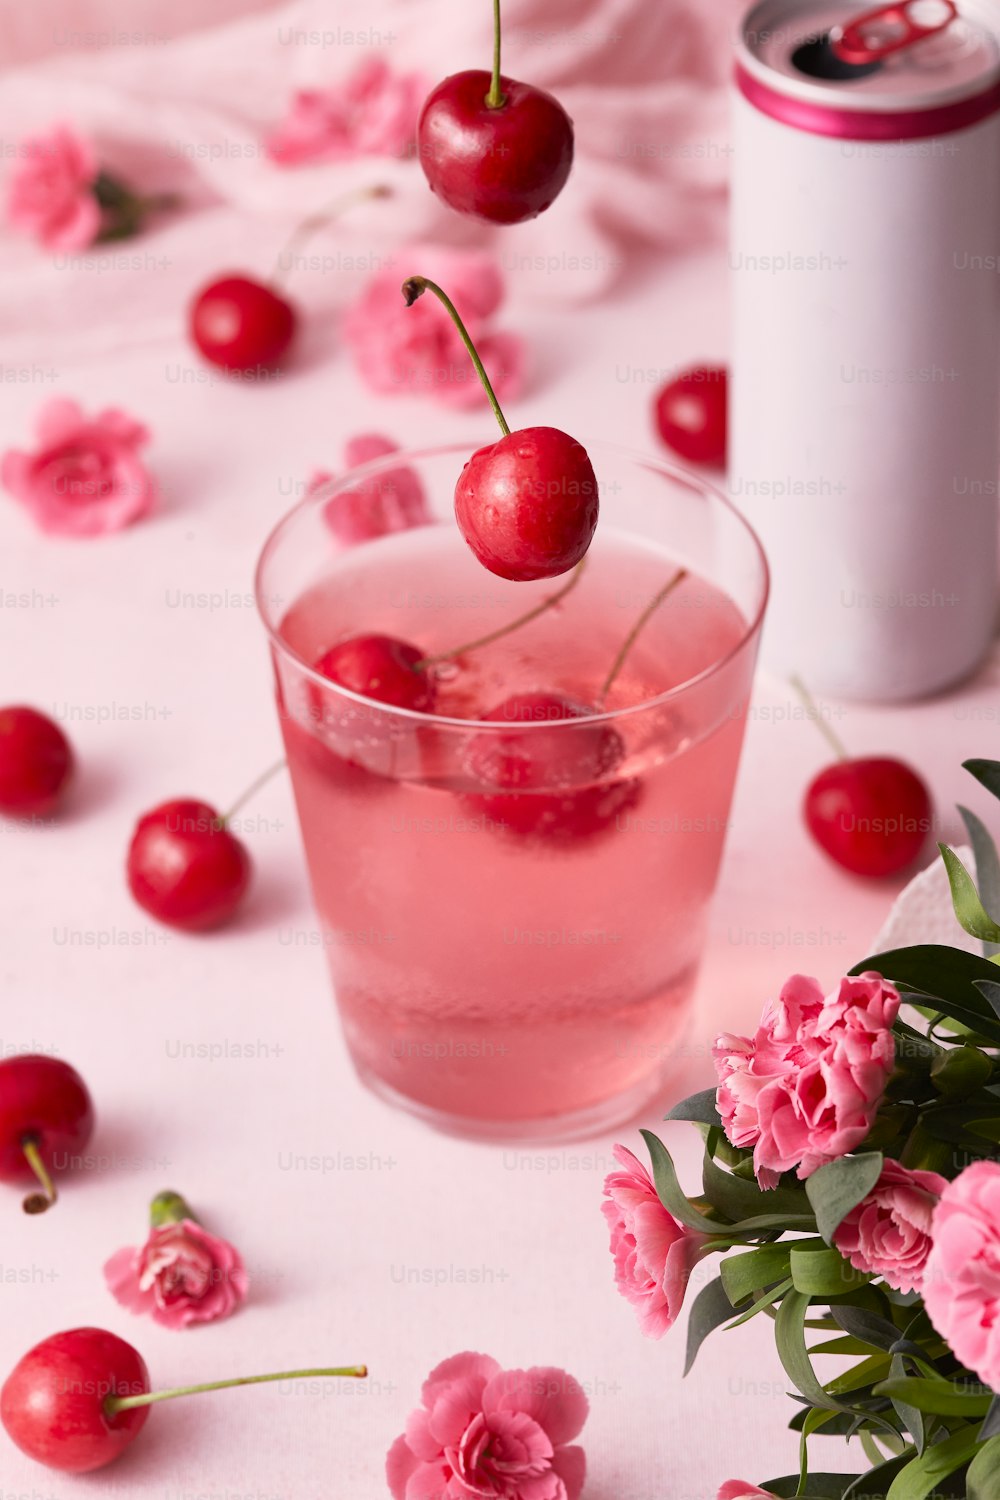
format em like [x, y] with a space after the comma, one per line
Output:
[596, 1119]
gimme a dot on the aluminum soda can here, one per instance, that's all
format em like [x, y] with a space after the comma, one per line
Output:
[865, 401]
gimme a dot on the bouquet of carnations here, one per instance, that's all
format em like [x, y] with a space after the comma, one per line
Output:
[851, 1186]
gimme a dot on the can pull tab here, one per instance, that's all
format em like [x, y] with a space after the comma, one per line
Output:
[891, 28]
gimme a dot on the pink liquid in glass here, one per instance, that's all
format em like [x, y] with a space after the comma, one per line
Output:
[494, 969]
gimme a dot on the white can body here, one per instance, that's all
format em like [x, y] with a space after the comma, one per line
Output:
[865, 409]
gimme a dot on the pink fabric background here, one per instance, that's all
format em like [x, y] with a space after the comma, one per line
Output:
[406, 1247]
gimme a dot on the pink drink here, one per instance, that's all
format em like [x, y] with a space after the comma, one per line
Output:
[502, 972]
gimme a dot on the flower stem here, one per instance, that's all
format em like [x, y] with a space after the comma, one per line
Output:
[547, 603]
[414, 287]
[169, 1208]
[317, 221]
[37, 1203]
[252, 789]
[637, 630]
[812, 709]
[115, 1404]
[495, 98]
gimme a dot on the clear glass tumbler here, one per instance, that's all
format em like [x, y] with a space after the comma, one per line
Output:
[512, 893]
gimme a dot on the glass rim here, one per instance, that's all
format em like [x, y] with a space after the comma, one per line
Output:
[402, 456]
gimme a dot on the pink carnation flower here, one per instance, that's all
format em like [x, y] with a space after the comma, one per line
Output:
[961, 1286]
[50, 190]
[806, 1088]
[181, 1275]
[86, 477]
[738, 1489]
[398, 348]
[889, 1233]
[653, 1254]
[391, 501]
[372, 113]
[483, 1431]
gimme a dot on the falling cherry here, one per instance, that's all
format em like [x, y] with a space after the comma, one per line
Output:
[494, 148]
[242, 324]
[77, 1400]
[527, 505]
[46, 1118]
[871, 814]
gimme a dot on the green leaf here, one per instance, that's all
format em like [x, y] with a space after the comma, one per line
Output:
[991, 1426]
[987, 865]
[709, 1310]
[669, 1190]
[766, 1299]
[990, 991]
[749, 1273]
[969, 909]
[838, 1187]
[983, 1479]
[922, 1475]
[986, 772]
[822, 1272]
[739, 1199]
[699, 1108]
[911, 1417]
[940, 1397]
[874, 1485]
[789, 1335]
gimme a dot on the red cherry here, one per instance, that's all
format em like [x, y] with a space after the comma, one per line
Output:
[504, 164]
[872, 816]
[691, 414]
[46, 1117]
[184, 866]
[241, 324]
[383, 668]
[67, 1402]
[35, 762]
[53, 1403]
[551, 784]
[527, 505]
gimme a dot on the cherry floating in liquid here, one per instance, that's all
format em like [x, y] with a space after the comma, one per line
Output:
[872, 814]
[241, 323]
[550, 781]
[36, 762]
[77, 1400]
[528, 504]
[382, 668]
[692, 414]
[46, 1118]
[494, 148]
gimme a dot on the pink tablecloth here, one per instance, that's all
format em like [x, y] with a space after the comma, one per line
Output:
[367, 1237]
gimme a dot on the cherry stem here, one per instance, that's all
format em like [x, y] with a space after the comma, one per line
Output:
[637, 630]
[253, 789]
[37, 1203]
[495, 98]
[115, 1404]
[317, 221]
[812, 709]
[547, 603]
[414, 287]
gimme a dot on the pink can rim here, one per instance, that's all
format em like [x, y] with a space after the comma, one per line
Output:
[866, 124]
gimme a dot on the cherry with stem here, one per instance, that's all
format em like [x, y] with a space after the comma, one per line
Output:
[528, 504]
[78, 1399]
[870, 814]
[493, 148]
[241, 323]
[186, 867]
[46, 1119]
